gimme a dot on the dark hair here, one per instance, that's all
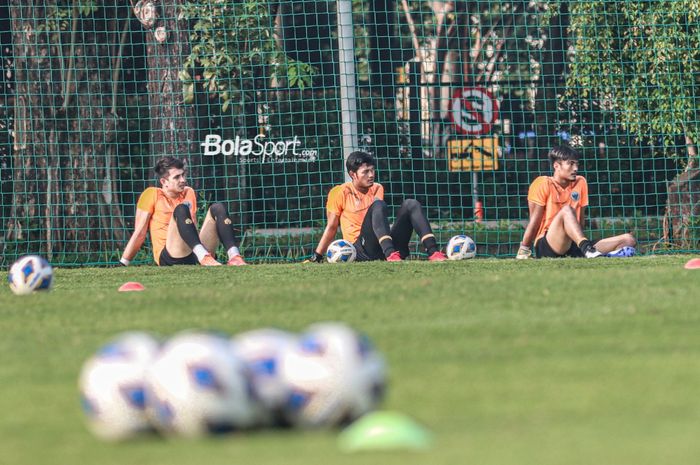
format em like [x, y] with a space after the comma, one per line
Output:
[357, 159]
[563, 153]
[164, 165]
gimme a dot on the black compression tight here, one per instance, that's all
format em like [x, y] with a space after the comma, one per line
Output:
[224, 226]
[409, 218]
[377, 238]
[185, 226]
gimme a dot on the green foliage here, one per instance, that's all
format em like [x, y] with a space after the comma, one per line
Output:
[638, 62]
[297, 73]
[57, 19]
[86, 8]
[233, 50]
[59, 15]
[504, 39]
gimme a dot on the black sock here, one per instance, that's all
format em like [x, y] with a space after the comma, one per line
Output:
[584, 245]
[224, 226]
[387, 246]
[430, 244]
[185, 226]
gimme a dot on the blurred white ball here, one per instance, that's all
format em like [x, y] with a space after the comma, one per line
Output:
[30, 273]
[262, 349]
[197, 386]
[111, 386]
[334, 375]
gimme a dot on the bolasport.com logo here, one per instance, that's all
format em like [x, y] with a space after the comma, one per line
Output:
[258, 150]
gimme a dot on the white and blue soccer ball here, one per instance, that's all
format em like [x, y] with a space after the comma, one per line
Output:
[197, 386]
[341, 251]
[261, 350]
[623, 252]
[111, 386]
[460, 247]
[334, 376]
[30, 273]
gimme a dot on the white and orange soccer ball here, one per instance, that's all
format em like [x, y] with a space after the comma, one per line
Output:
[341, 251]
[111, 386]
[334, 375]
[30, 273]
[460, 247]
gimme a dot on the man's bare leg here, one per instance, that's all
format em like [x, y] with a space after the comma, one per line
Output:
[609, 244]
[207, 234]
[564, 230]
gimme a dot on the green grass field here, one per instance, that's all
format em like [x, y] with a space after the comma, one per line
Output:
[538, 362]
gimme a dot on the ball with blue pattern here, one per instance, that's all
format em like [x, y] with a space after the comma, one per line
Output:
[111, 386]
[197, 385]
[30, 273]
[261, 350]
[623, 252]
[341, 251]
[460, 247]
[334, 375]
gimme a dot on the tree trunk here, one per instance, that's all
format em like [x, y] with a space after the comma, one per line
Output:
[547, 113]
[683, 203]
[63, 133]
[382, 61]
[174, 128]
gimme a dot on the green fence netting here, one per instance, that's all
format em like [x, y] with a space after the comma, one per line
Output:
[459, 101]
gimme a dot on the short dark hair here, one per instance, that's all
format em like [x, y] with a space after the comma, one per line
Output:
[164, 165]
[357, 159]
[563, 153]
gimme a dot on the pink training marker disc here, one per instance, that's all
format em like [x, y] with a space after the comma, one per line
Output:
[131, 286]
[693, 264]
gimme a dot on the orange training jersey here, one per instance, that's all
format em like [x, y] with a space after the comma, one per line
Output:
[154, 201]
[351, 206]
[546, 192]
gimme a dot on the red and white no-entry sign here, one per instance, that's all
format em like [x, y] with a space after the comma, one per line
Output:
[473, 111]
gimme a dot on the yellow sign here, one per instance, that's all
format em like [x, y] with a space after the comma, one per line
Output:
[473, 154]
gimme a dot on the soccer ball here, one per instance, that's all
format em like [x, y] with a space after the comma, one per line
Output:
[341, 251]
[334, 376]
[461, 247]
[111, 386]
[623, 252]
[30, 273]
[197, 386]
[261, 350]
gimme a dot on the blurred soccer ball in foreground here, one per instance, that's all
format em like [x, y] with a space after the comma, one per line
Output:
[461, 247]
[197, 385]
[111, 386]
[261, 350]
[334, 375]
[341, 251]
[30, 273]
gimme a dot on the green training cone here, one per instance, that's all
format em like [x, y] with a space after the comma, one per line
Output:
[384, 430]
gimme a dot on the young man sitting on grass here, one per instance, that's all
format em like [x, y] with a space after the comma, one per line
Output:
[169, 213]
[359, 209]
[557, 206]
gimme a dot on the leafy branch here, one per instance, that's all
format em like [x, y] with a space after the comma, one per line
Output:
[232, 49]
